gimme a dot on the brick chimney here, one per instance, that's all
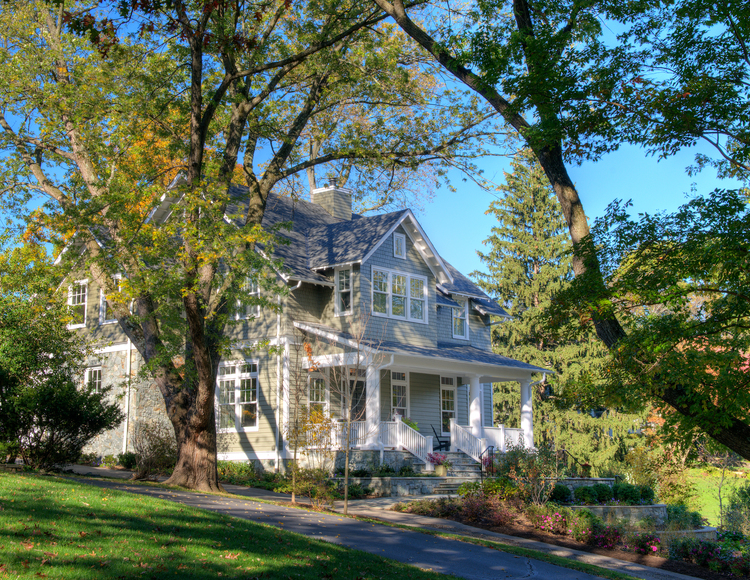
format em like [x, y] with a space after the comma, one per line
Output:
[337, 201]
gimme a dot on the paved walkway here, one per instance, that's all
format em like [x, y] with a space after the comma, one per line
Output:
[422, 550]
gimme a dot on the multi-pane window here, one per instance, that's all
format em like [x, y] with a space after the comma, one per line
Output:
[245, 306]
[460, 319]
[399, 295]
[94, 379]
[77, 302]
[318, 394]
[447, 408]
[106, 316]
[399, 394]
[343, 291]
[399, 246]
[237, 393]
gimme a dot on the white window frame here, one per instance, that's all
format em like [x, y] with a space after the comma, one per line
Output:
[237, 377]
[243, 310]
[405, 383]
[396, 238]
[87, 378]
[445, 387]
[337, 291]
[465, 318]
[85, 285]
[327, 392]
[408, 298]
[103, 302]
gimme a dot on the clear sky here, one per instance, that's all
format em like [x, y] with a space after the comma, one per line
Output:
[457, 226]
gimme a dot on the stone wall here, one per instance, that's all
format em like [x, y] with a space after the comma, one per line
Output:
[631, 514]
[573, 483]
[403, 486]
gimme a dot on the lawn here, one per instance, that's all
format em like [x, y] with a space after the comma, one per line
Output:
[706, 480]
[54, 528]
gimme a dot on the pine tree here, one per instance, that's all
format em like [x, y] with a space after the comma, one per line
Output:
[529, 261]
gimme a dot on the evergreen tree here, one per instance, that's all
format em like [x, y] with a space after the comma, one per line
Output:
[529, 261]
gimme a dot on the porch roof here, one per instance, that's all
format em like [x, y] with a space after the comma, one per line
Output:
[445, 357]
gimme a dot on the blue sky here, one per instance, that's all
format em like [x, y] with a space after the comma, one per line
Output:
[456, 223]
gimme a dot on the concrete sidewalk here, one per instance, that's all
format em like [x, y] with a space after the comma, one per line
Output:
[365, 538]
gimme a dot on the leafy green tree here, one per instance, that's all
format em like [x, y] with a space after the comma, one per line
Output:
[97, 123]
[46, 416]
[528, 264]
[544, 67]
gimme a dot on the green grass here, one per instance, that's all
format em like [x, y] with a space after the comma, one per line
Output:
[706, 481]
[56, 528]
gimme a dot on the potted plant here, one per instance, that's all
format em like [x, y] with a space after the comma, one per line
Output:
[441, 463]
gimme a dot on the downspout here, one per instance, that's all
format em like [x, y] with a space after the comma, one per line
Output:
[127, 401]
[278, 384]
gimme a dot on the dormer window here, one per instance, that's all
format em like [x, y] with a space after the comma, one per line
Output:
[461, 319]
[247, 307]
[399, 246]
[77, 294]
[343, 292]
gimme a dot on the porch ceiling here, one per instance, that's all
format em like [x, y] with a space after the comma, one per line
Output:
[446, 358]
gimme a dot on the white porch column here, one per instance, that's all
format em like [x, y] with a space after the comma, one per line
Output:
[475, 407]
[372, 405]
[527, 414]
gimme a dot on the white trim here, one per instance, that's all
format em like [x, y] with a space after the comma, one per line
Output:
[103, 305]
[407, 295]
[334, 337]
[396, 238]
[237, 377]
[454, 389]
[118, 347]
[405, 382]
[336, 291]
[85, 284]
[444, 290]
[438, 268]
[465, 335]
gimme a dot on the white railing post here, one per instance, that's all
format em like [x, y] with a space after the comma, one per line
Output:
[453, 434]
[399, 439]
[502, 438]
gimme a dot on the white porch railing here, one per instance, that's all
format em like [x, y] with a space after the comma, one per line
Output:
[500, 437]
[358, 434]
[399, 435]
[462, 439]
[514, 436]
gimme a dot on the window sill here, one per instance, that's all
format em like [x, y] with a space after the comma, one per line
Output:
[74, 326]
[400, 318]
[245, 430]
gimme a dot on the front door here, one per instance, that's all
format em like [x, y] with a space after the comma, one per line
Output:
[447, 408]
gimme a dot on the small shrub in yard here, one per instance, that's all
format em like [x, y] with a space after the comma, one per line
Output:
[647, 494]
[740, 566]
[237, 472]
[627, 493]
[128, 460]
[680, 518]
[645, 543]
[604, 536]
[109, 461]
[702, 552]
[562, 520]
[585, 495]
[603, 492]
[561, 493]
[155, 448]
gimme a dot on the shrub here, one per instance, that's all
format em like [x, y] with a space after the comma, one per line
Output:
[128, 460]
[562, 520]
[383, 470]
[237, 472]
[740, 566]
[88, 459]
[561, 493]
[603, 492]
[582, 525]
[469, 488]
[361, 472]
[406, 471]
[736, 512]
[531, 470]
[155, 448]
[585, 495]
[645, 543]
[647, 494]
[680, 518]
[109, 461]
[502, 487]
[702, 552]
[356, 491]
[604, 536]
[627, 493]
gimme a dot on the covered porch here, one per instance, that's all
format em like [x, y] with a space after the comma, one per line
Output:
[445, 390]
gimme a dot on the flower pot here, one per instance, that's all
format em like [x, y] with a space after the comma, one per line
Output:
[441, 470]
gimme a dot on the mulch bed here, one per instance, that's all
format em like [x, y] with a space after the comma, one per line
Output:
[522, 529]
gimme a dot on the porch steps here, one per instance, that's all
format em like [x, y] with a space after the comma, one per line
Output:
[463, 465]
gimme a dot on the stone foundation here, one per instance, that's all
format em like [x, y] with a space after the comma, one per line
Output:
[403, 486]
[573, 483]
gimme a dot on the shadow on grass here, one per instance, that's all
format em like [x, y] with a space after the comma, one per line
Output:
[63, 529]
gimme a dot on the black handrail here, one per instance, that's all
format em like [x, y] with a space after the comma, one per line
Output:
[581, 465]
[487, 462]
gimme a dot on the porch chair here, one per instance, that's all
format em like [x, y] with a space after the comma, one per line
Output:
[442, 442]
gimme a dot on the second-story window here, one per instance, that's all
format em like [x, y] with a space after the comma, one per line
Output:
[343, 291]
[460, 319]
[106, 316]
[245, 306]
[399, 295]
[77, 295]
